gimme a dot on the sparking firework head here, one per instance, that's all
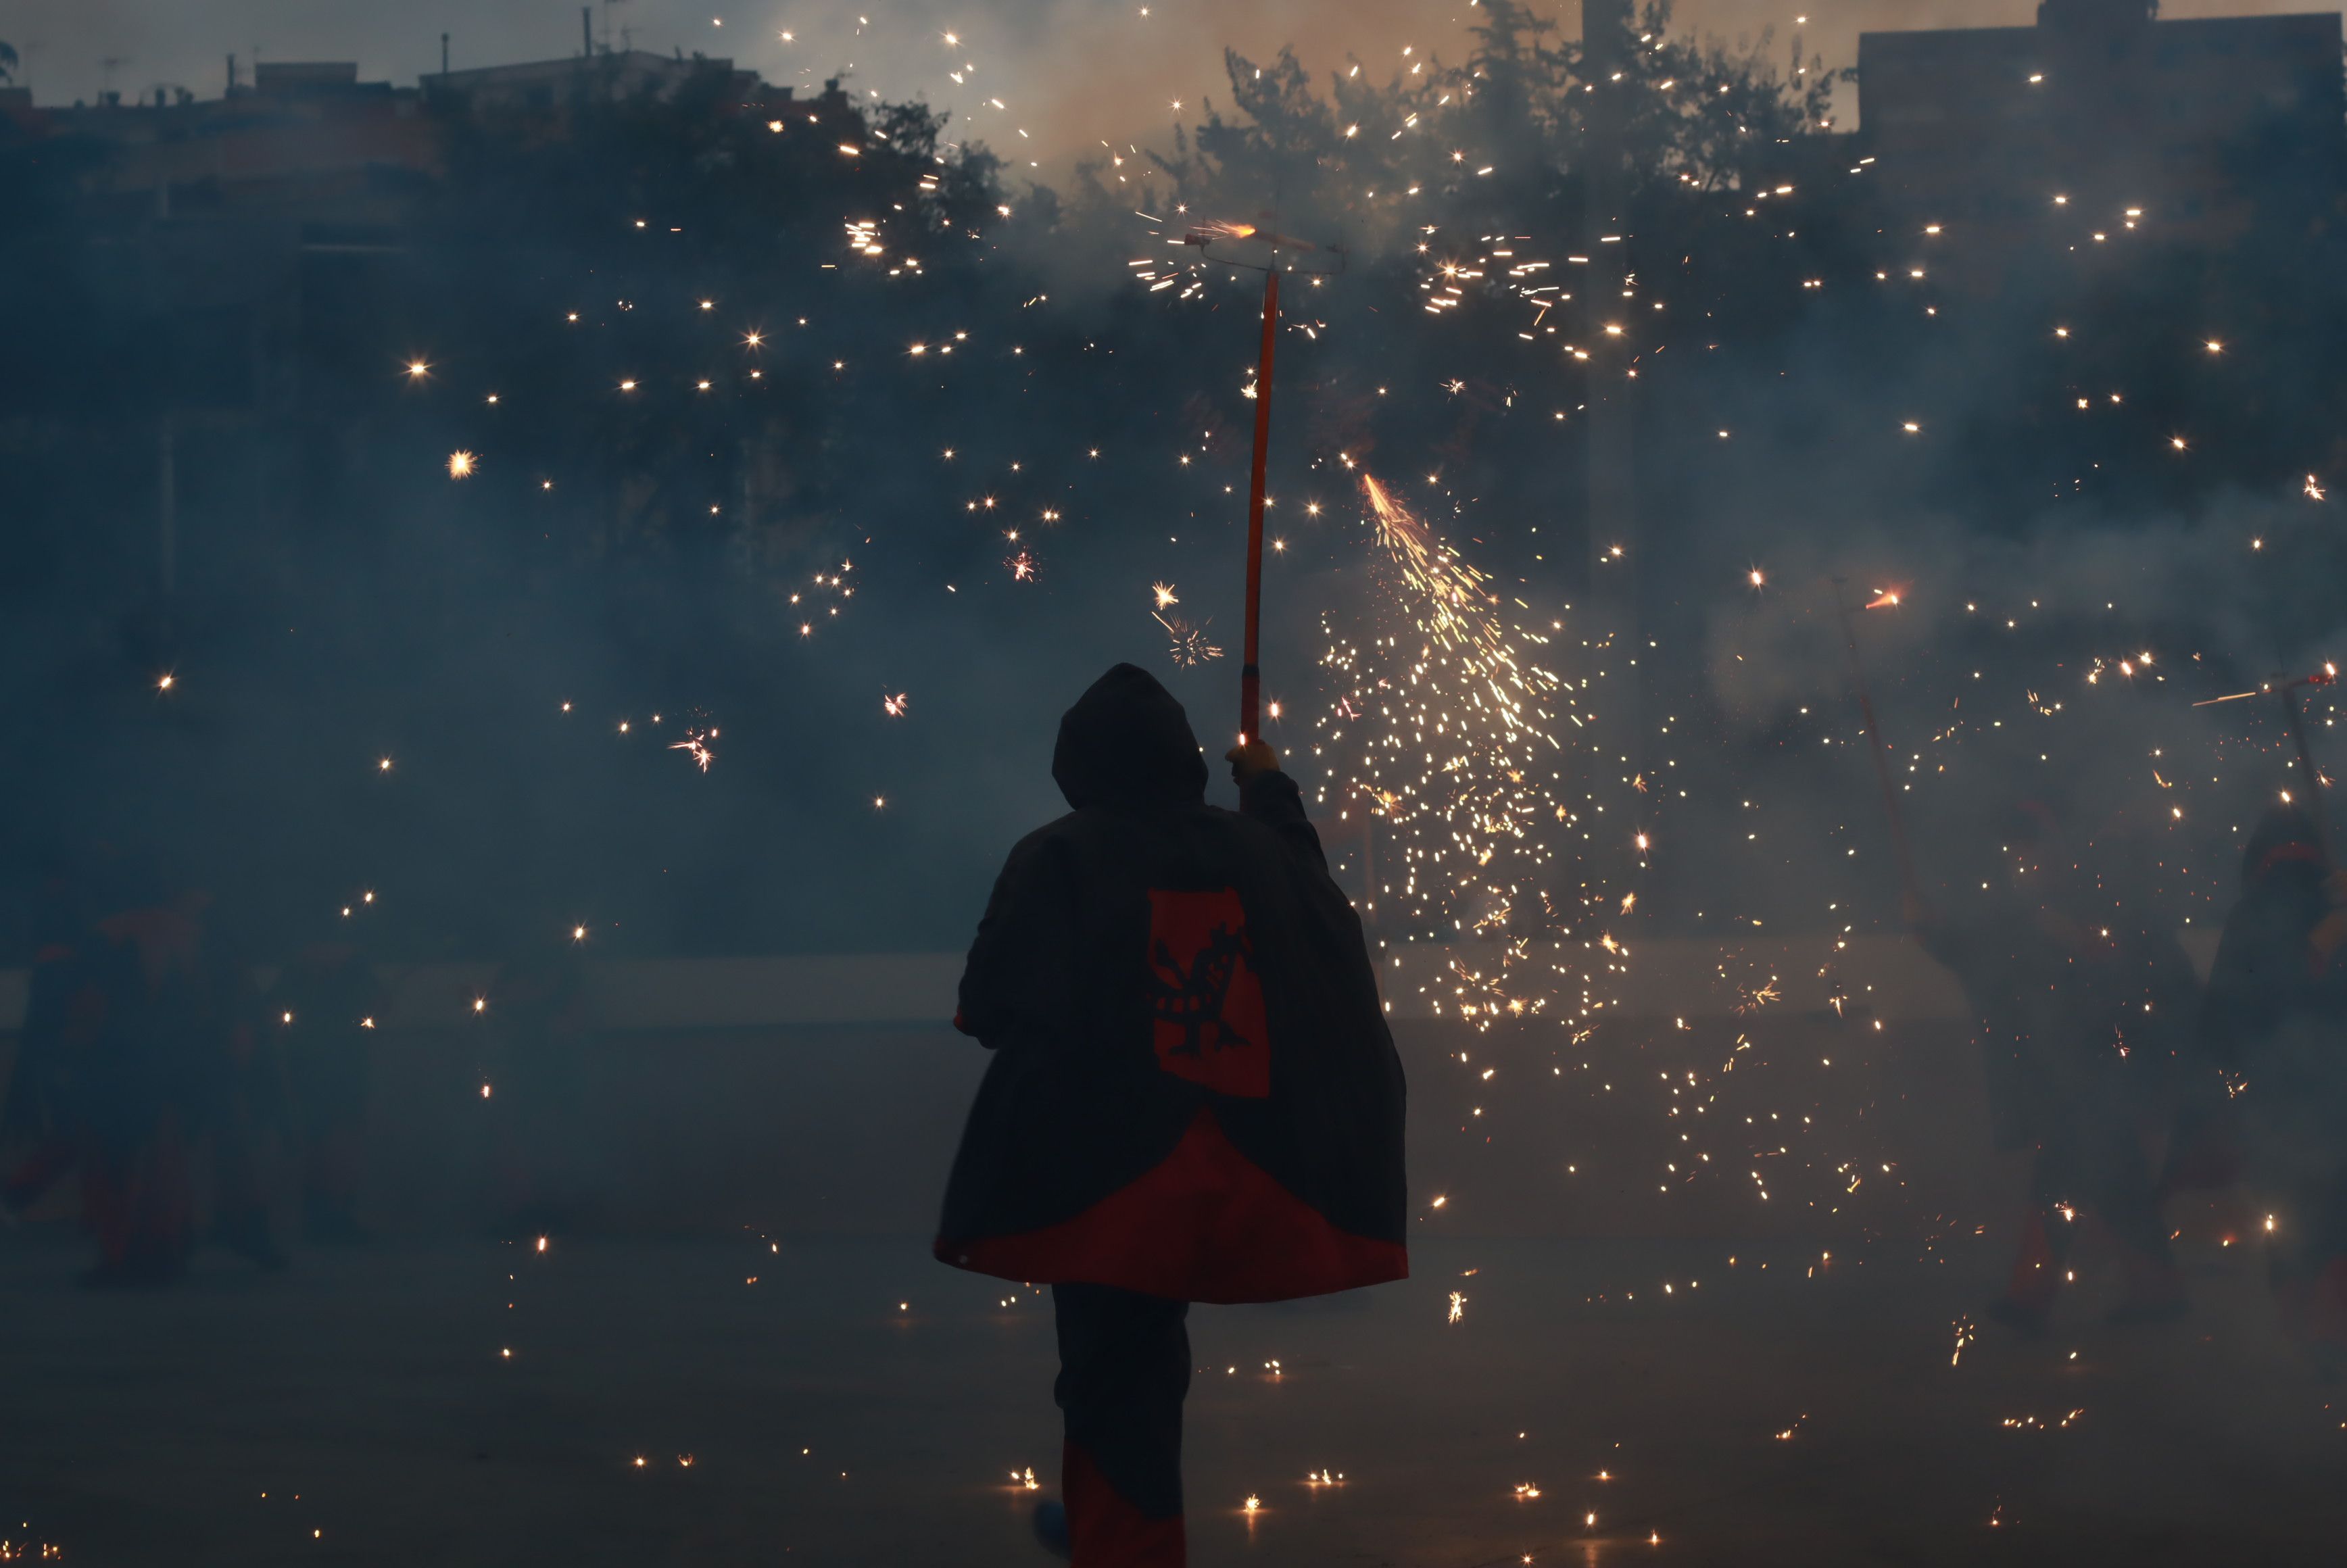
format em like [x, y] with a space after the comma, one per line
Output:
[1190, 647]
[1445, 731]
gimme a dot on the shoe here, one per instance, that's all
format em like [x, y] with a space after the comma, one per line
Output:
[110, 1276]
[247, 1236]
[2144, 1313]
[2022, 1319]
[1051, 1528]
[134, 1273]
[335, 1227]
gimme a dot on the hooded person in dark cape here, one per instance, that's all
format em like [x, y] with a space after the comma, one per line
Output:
[1193, 1095]
[2082, 1023]
[2276, 1021]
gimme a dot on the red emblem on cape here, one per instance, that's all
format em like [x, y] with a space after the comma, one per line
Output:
[1205, 999]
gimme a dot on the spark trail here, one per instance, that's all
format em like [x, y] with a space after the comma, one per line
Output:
[1445, 731]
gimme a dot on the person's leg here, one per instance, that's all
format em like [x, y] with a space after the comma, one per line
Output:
[2126, 1202]
[241, 1198]
[39, 1170]
[106, 1207]
[163, 1209]
[2035, 1279]
[2320, 1307]
[1124, 1368]
[330, 1180]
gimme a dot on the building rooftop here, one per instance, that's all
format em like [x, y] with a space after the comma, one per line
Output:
[2105, 102]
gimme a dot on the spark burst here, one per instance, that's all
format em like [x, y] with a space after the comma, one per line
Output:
[696, 744]
[1446, 730]
[1190, 647]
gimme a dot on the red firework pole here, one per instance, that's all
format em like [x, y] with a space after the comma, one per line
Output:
[1251, 670]
[1244, 245]
[1906, 882]
[2310, 777]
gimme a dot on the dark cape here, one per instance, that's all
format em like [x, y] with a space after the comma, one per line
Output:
[2276, 1013]
[2098, 1023]
[1193, 1093]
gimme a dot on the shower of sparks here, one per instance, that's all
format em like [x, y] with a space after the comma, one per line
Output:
[1165, 597]
[894, 706]
[1445, 730]
[460, 464]
[696, 744]
[1022, 567]
[1190, 647]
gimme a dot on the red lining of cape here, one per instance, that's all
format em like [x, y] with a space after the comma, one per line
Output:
[1204, 1223]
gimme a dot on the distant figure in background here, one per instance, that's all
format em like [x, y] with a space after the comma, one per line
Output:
[242, 1110]
[138, 1077]
[535, 1012]
[1194, 1096]
[2082, 1023]
[41, 1119]
[2276, 1017]
[325, 1009]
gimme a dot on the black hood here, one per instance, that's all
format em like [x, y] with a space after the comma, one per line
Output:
[1128, 742]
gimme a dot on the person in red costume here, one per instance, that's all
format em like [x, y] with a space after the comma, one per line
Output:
[2276, 1017]
[2084, 1011]
[1193, 1095]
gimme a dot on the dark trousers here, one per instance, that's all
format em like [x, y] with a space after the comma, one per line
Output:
[2092, 1164]
[1124, 1368]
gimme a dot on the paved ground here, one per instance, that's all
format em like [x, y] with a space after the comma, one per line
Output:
[853, 1404]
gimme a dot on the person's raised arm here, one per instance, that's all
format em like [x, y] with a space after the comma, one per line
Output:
[1272, 798]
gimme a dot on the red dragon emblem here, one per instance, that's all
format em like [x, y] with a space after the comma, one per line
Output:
[1203, 997]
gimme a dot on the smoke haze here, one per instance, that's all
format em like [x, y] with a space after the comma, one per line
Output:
[1072, 74]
